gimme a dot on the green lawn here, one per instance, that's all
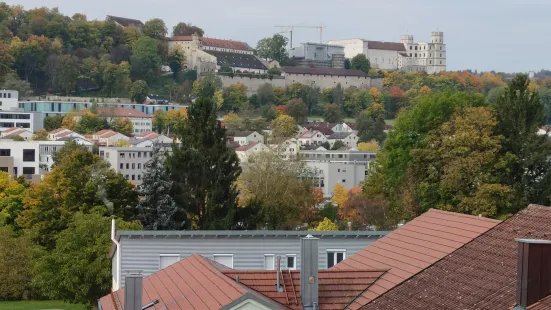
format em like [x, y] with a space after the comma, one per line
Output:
[38, 305]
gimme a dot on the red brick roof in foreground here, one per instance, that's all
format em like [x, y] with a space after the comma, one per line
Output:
[337, 288]
[192, 283]
[413, 247]
[480, 275]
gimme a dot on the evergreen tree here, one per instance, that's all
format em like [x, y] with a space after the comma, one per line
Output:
[157, 210]
[204, 170]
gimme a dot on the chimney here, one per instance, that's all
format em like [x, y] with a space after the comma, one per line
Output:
[533, 271]
[309, 272]
[133, 291]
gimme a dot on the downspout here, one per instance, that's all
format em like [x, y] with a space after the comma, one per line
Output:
[118, 254]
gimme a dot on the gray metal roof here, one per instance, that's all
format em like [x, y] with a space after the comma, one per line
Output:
[249, 233]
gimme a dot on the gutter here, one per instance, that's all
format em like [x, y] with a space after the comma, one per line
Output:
[118, 253]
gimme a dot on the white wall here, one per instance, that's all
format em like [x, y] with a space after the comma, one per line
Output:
[352, 47]
[383, 59]
[142, 124]
[328, 81]
[334, 173]
[9, 99]
[16, 151]
[252, 84]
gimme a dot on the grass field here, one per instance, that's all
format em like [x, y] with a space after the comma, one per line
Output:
[38, 305]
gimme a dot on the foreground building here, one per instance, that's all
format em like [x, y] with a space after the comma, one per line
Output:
[349, 284]
[405, 55]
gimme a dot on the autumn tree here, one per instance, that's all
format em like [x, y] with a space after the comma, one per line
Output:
[124, 126]
[12, 193]
[332, 113]
[16, 258]
[90, 123]
[326, 225]
[155, 28]
[41, 135]
[282, 187]
[233, 121]
[284, 126]
[235, 97]
[207, 86]
[370, 146]
[204, 170]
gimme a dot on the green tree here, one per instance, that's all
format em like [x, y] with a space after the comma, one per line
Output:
[284, 126]
[347, 64]
[207, 86]
[369, 128]
[495, 93]
[17, 138]
[15, 257]
[519, 114]
[337, 145]
[235, 97]
[138, 91]
[273, 48]
[12, 193]
[360, 62]
[332, 113]
[155, 28]
[78, 270]
[356, 100]
[282, 189]
[204, 170]
[131, 35]
[265, 94]
[157, 210]
[183, 29]
[13, 82]
[268, 112]
[298, 110]
[41, 135]
[68, 73]
[176, 59]
[53, 122]
[79, 181]
[145, 59]
[90, 123]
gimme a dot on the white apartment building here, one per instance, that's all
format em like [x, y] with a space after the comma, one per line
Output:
[348, 168]
[405, 55]
[29, 159]
[32, 121]
[9, 99]
[246, 137]
[141, 121]
[312, 138]
[245, 151]
[349, 139]
[109, 137]
[128, 161]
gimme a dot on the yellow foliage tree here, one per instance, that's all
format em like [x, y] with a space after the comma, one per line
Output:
[375, 94]
[370, 146]
[326, 225]
[340, 195]
[233, 121]
[69, 121]
[122, 143]
[41, 135]
[425, 90]
[124, 126]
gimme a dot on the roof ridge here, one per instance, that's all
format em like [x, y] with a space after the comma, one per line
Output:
[205, 262]
[367, 288]
[482, 218]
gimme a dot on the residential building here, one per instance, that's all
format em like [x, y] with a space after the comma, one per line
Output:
[151, 251]
[147, 139]
[128, 161]
[32, 121]
[507, 266]
[60, 133]
[141, 121]
[107, 137]
[329, 77]
[323, 127]
[29, 158]
[245, 151]
[329, 168]
[288, 149]
[318, 55]
[349, 284]
[15, 131]
[246, 137]
[312, 138]
[209, 55]
[344, 127]
[125, 22]
[349, 139]
[405, 55]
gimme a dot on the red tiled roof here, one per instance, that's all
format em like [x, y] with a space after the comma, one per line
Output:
[323, 127]
[389, 46]
[246, 147]
[236, 45]
[544, 304]
[480, 275]
[109, 134]
[53, 132]
[148, 135]
[11, 129]
[308, 134]
[192, 283]
[14, 131]
[337, 288]
[413, 247]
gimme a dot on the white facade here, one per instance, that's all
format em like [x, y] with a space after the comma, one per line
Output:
[349, 139]
[109, 137]
[142, 124]
[128, 161]
[244, 138]
[316, 51]
[312, 138]
[245, 151]
[415, 56]
[12, 132]
[9, 99]
[31, 121]
[288, 149]
[344, 127]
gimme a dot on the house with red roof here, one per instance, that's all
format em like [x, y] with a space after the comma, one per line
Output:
[209, 54]
[141, 121]
[245, 151]
[16, 131]
[108, 137]
[312, 138]
[384, 270]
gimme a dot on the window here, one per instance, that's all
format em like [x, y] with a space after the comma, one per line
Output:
[28, 170]
[139, 154]
[139, 177]
[101, 154]
[440, 54]
[133, 177]
[133, 166]
[28, 155]
[107, 155]
[127, 166]
[122, 166]
[344, 180]
[166, 260]
[416, 48]
[5, 152]
[291, 261]
[122, 155]
[139, 166]
[224, 259]
[338, 170]
[269, 261]
[334, 257]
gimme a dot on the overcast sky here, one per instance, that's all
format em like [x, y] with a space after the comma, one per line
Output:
[501, 35]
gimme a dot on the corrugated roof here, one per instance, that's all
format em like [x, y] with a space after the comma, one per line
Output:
[324, 71]
[309, 134]
[337, 288]
[389, 46]
[257, 233]
[191, 283]
[413, 247]
[246, 61]
[55, 131]
[480, 275]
